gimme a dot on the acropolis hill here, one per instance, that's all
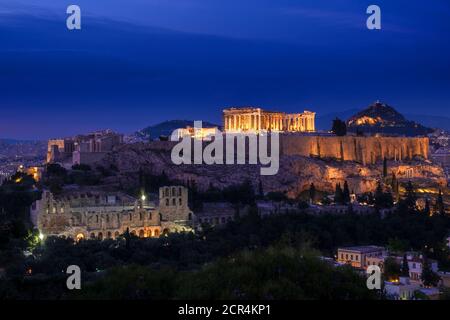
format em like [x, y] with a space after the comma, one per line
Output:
[306, 157]
[295, 174]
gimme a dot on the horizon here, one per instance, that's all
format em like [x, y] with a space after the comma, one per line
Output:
[332, 114]
[133, 67]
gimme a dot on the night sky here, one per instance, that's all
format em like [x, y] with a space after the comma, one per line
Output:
[139, 62]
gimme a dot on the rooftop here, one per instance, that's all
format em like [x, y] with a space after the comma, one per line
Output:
[363, 249]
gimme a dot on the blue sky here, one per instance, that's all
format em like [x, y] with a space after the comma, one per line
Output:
[139, 62]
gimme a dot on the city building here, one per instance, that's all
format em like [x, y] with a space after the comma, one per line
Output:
[442, 156]
[92, 214]
[401, 290]
[82, 149]
[359, 257]
[376, 261]
[215, 214]
[197, 133]
[34, 171]
[415, 265]
[445, 278]
[238, 119]
[174, 206]
[4, 176]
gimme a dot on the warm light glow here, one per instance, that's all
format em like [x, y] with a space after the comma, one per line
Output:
[143, 197]
[367, 120]
[426, 190]
[41, 236]
[79, 237]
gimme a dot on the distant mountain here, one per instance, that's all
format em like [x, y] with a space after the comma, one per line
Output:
[324, 122]
[382, 118]
[15, 141]
[15, 149]
[431, 121]
[167, 127]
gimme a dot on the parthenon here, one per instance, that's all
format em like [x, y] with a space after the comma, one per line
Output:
[239, 119]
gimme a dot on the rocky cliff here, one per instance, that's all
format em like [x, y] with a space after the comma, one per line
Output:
[295, 175]
[365, 150]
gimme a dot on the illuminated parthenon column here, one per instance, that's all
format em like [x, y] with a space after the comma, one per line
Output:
[256, 119]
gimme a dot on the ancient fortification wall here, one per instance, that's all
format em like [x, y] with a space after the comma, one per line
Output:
[365, 150]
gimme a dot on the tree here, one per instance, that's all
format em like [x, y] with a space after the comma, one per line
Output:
[339, 195]
[429, 278]
[385, 168]
[427, 209]
[141, 178]
[194, 200]
[312, 192]
[82, 167]
[411, 198]
[379, 195]
[260, 189]
[383, 199]
[440, 208]
[395, 187]
[54, 169]
[339, 127]
[391, 269]
[350, 210]
[302, 205]
[346, 193]
[276, 196]
[405, 267]
[127, 237]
